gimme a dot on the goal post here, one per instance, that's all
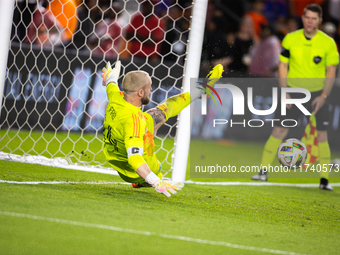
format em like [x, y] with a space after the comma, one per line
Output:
[53, 102]
[182, 141]
[6, 17]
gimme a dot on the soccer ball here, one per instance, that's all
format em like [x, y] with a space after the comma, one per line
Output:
[292, 153]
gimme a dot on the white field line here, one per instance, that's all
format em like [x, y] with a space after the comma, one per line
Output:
[147, 233]
[60, 182]
[301, 185]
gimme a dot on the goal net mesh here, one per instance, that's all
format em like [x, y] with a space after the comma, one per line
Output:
[54, 102]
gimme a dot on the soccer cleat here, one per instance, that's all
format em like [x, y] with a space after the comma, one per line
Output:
[325, 185]
[261, 176]
[141, 185]
[135, 185]
[206, 85]
[214, 75]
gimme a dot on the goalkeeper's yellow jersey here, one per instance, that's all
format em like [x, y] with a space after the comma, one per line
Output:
[127, 131]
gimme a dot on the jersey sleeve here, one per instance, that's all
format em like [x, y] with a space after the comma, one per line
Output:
[285, 54]
[112, 91]
[134, 128]
[332, 57]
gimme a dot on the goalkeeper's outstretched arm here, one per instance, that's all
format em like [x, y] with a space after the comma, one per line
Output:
[110, 78]
[164, 187]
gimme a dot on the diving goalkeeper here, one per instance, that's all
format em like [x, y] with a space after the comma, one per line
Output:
[128, 132]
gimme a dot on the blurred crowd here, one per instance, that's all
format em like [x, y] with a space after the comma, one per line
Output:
[244, 35]
[108, 28]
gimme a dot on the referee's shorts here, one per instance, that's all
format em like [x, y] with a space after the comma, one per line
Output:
[294, 113]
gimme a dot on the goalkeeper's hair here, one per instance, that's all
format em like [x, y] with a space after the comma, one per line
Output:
[134, 81]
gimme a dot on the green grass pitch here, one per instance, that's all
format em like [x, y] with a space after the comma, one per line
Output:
[91, 213]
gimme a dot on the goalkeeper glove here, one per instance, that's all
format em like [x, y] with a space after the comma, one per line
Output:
[173, 185]
[110, 75]
[164, 187]
[161, 186]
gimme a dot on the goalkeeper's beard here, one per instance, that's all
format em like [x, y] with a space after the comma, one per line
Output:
[145, 100]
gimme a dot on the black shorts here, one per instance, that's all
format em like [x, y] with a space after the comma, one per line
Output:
[322, 116]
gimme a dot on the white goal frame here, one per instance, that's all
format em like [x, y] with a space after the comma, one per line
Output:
[182, 141]
[6, 17]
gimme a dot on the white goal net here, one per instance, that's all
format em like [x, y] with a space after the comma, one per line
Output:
[53, 102]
